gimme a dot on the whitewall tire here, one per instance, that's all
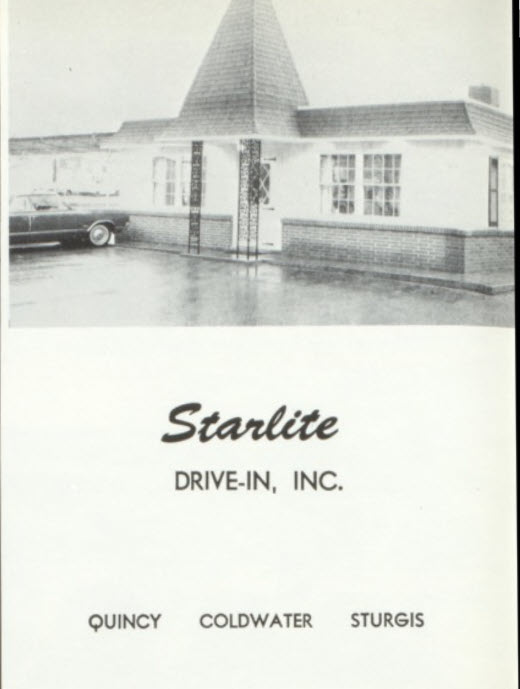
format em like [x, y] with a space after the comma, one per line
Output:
[99, 235]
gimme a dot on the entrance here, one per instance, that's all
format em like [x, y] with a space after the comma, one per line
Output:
[269, 232]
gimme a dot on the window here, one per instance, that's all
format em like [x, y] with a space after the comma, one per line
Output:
[185, 182]
[264, 184]
[164, 171]
[493, 192]
[338, 178]
[382, 179]
[506, 194]
[172, 181]
[47, 202]
[165, 183]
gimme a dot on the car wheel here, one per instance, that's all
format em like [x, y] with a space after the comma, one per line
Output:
[99, 235]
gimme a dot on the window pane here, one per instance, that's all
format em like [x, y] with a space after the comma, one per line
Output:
[382, 174]
[493, 175]
[338, 176]
[493, 207]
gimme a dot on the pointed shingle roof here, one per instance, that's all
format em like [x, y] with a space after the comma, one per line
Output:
[247, 83]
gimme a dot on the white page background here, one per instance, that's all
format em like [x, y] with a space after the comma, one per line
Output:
[91, 523]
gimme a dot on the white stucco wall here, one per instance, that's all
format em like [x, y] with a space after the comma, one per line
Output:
[443, 183]
[134, 170]
[221, 178]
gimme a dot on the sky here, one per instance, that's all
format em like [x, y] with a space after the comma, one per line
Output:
[78, 66]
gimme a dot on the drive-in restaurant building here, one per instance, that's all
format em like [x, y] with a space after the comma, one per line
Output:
[249, 166]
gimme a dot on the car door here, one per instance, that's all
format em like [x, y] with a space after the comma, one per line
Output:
[19, 220]
[54, 224]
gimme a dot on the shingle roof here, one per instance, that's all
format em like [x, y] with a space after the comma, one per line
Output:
[406, 119]
[490, 122]
[140, 131]
[75, 143]
[247, 83]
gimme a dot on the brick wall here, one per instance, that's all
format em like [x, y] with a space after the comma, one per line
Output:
[171, 230]
[489, 253]
[413, 247]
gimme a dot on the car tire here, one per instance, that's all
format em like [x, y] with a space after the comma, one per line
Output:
[99, 236]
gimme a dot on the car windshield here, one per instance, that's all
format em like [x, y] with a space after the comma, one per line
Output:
[47, 202]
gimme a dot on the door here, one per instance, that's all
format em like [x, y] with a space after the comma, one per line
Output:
[270, 232]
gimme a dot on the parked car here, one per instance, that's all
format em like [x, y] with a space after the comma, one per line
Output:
[35, 218]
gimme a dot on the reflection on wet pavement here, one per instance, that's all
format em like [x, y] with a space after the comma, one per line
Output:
[120, 286]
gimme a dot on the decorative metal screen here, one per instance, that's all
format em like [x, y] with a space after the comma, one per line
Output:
[195, 196]
[249, 197]
[264, 197]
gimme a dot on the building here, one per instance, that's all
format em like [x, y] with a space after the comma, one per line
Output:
[248, 166]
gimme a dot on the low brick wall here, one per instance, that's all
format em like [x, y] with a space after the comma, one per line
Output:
[451, 250]
[171, 230]
[489, 252]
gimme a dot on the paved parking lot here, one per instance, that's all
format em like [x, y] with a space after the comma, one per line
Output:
[123, 286]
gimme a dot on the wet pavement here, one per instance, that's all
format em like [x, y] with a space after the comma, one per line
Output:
[123, 286]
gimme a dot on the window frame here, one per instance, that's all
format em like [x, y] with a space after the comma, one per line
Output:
[388, 187]
[339, 190]
[164, 187]
[179, 181]
[493, 191]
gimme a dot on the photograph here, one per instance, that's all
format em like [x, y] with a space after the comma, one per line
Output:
[243, 164]
[257, 339]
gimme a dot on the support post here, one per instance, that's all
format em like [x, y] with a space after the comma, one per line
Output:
[197, 149]
[248, 197]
